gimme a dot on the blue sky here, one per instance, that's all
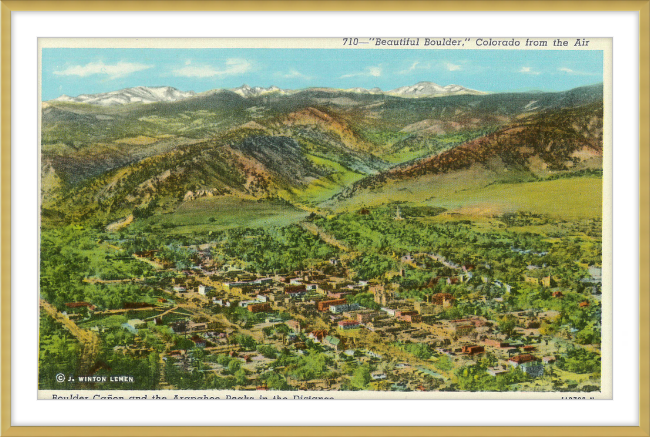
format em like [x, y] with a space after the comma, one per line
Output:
[88, 71]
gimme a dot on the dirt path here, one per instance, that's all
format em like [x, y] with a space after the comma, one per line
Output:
[329, 239]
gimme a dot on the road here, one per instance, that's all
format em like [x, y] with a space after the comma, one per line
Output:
[329, 239]
[88, 339]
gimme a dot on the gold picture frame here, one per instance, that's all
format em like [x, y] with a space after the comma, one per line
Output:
[642, 7]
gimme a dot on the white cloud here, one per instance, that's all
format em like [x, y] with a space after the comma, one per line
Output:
[369, 71]
[413, 66]
[452, 67]
[113, 71]
[293, 74]
[577, 73]
[232, 67]
[528, 70]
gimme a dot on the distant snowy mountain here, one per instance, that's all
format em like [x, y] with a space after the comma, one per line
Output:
[430, 89]
[142, 94]
[248, 91]
[365, 91]
[139, 94]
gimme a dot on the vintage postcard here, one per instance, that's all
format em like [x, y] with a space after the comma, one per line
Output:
[369, 218]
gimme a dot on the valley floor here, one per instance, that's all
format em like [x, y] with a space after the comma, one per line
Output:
[398, 297]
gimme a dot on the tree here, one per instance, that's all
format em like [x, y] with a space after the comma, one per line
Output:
[234, 366]
[507, 325]
[361, 378]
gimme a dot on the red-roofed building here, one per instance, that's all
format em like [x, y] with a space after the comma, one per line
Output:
[518, 360]
[473, 349]
[317, 336]
[348, 324]
[263, 307]
[324, 305]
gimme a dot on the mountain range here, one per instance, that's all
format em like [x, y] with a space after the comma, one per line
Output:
[318, 149]
[142, 94]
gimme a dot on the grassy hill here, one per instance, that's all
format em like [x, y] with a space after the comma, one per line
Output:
[503, 171]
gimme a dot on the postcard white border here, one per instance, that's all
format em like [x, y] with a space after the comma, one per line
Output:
[624, 28]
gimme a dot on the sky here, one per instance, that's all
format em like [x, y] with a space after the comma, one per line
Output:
[88, 71]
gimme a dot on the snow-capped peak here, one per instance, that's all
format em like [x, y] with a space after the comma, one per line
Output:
[248, 91]
[431, 89]
[139, 94]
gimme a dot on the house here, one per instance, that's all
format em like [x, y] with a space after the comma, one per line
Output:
[198, 341]
[339, 294]
[557, 294]
[341, 308]
[496, 343]
[444, 299]
[259, 307]
[324, 305]
[134, 324]
[294, 325]
[179, 288]
[332, 342]
[463, 329]
[378, 376]
[348, 324]
[295, 290]
[547, 281]
[366, 316]
[203, 289]
[409, 316]
[473, 349]
[533, 368]
[496, 371]
[548, 360]
[584, 304]
[221, 302]
[317, 336]
[518, 360]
